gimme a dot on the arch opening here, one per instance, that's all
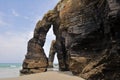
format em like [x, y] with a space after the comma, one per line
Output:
[49, 38]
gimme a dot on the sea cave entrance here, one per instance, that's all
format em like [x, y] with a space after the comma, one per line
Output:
[49, 38]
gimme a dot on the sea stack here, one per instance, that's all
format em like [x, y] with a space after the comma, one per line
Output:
[87, 39]
[52, 53]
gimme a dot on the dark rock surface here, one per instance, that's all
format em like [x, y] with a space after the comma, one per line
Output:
[87, 37]
[52, 53]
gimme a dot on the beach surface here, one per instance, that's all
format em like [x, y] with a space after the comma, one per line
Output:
[50, 75]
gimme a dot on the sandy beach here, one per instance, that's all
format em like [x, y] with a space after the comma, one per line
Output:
[50, 75]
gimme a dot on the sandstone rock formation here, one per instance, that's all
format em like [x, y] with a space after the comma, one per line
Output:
[52, 54]
[35, 60]
[41, 29]
[87, 37]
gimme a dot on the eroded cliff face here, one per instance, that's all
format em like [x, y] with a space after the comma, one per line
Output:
[87, 38]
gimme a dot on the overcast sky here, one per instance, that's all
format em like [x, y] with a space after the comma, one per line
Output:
[17, 22]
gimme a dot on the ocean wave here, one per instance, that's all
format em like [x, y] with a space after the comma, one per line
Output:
[10, 65]
[13, 66]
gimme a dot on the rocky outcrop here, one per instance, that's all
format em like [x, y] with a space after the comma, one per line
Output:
[84, 36]
[35, 60]
[41, 29]
[87, 37]
[106, 67]
[52, 53]
[89, 28]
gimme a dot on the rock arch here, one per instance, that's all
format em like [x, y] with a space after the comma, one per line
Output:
[36, 60]
[85, 43]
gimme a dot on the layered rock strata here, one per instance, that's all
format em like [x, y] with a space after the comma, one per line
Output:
[87, 37]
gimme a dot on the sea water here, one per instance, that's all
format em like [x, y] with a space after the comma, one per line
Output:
[55, 68]
[8, 70]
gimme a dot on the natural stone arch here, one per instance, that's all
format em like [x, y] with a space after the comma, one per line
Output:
[83, 43]
[30, 64]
